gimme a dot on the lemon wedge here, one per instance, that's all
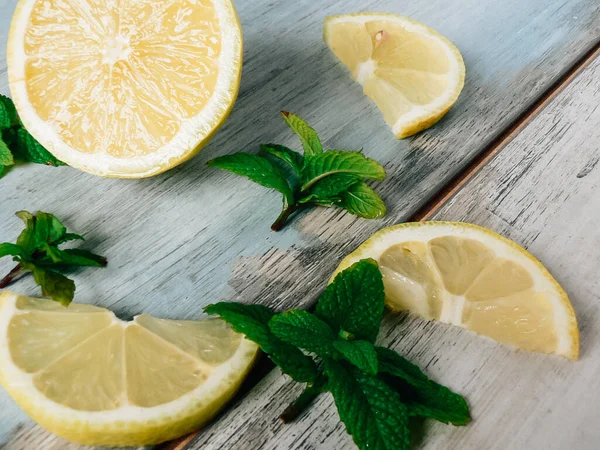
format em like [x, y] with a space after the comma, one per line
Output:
[413, 73]
[93, 379]
[469, 276]
[124, 88]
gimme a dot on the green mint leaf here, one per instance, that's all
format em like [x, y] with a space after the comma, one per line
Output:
[293, 159]
[257, 169]
[373, 413]
[8, 249]
[26, 217]
[69, 237]
[360, 354]
[48, 229]
[362, 201]
[330, 187]
[253, 320]
[354, 301]
[8, 113]
[423, 396]
[27, 240]
[337, 161]
[310, 140]
[6, 156]
[29, 150]
[303, 330]
[326, 202]
[394, 364]
[54, 285]
[72, 257]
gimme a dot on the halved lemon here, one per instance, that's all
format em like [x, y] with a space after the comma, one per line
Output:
[413, 73]
[469, 276]
[124, 88]
[93, 379]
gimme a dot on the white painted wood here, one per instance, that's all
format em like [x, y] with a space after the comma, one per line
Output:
[194, 235]
[543, 191]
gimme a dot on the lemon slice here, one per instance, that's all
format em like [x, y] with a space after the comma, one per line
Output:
[413, 73]
[469, 276]
[93, 379]
[124, 88]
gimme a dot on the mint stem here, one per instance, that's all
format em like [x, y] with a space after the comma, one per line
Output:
[17, 270]
[300, 404]
[283, 217]
[305, 399]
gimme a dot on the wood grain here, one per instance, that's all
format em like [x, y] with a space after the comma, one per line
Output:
[192, 236]
[541, 191]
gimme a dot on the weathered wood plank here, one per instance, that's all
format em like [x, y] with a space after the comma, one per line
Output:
[542, 190]
[192, 236]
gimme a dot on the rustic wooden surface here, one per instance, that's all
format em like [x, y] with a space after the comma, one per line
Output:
[192, 236]
[542, 191]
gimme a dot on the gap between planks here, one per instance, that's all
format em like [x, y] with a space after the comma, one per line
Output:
[492, 149]
[454, 185]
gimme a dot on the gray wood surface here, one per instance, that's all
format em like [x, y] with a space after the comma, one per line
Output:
[542, 191]
[192, 236]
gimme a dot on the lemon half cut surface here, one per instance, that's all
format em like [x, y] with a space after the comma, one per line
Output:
[469, 276]
[124, 88]
[88, 377]
[413, 73]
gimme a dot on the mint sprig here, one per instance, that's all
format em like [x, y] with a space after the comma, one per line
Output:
[317, 178]
[375, 390]
[37, 252]
[16, 144]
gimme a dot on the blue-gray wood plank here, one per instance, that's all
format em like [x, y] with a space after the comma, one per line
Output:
[541, 191]
[194, 235]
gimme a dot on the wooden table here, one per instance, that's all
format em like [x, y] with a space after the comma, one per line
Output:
[519, 153]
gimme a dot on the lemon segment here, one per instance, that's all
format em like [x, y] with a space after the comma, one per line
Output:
[471, 277]
[93, 379]
[409, 70]
[124, 88]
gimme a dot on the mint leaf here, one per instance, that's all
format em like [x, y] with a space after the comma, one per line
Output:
[362, 201]
[27, 239]
[26, 217]
[373, 413]
[30, 150]
[8, 249]
[257, 169]
[8, 113]
[317, 178]
[330, 187]
[36, 251]
[253, 320]
[293, 159]
[303, 330]
[6, 157]
[423, 396]
[337, 161]
[354, 301]
[69, 237]
[394, 364]
[360, 354]
[73, 257]
[48, 228]
[310, 140]
[54, 285]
